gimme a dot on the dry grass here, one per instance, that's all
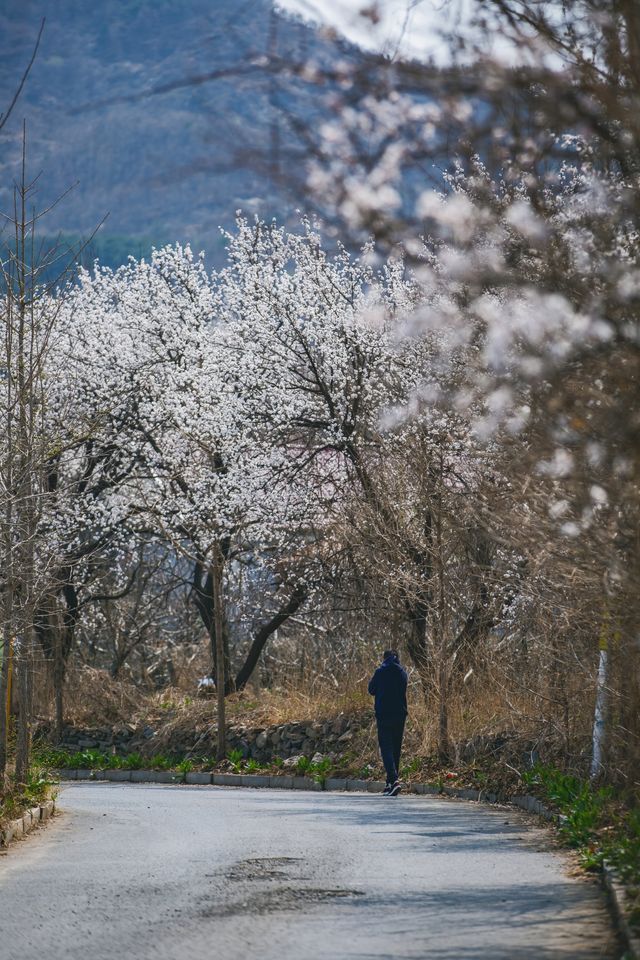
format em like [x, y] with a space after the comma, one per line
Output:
[487, 708]
[93, 699]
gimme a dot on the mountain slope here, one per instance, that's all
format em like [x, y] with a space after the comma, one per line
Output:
[163, 166]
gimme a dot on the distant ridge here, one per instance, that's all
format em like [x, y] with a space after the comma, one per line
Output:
[166, 167]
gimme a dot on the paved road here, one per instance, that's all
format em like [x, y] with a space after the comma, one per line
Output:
[200, 873]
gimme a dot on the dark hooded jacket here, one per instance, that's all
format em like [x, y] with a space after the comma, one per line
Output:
[389, 686]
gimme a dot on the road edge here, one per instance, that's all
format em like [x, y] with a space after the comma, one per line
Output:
[19, 828]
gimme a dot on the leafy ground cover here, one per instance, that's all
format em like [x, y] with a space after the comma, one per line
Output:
[602, 826]
[40, 786]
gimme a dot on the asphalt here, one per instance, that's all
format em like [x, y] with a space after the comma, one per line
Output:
[173, 872]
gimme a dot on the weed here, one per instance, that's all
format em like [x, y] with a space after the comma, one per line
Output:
[303, 765]
[93, 760]
[38, 788]
[411, 768]
[134, 762]
[590, 823]
[481, 777]
[235, 759]
[321, 769]
[184, 766]
[581, 806]
[161, 761]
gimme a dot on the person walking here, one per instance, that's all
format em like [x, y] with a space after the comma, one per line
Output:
[389, 687]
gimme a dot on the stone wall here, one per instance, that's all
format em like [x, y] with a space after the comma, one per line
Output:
[331, 738]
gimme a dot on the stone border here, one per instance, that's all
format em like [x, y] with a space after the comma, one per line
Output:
[216, 779]
[16, 829]
[620, 907]
[292, 782]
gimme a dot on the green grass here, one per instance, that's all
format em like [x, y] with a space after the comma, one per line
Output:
[55, 759]
[411, 768]
[184, 766]
[594, 822]
[235, 759]
[38, 788]
[321, 770]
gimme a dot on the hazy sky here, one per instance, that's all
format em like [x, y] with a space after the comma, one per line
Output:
[411, 29]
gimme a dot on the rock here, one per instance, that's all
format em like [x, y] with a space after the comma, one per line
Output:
[307, 747]
[317, 758]
[292, 761]
[261, 740]
[346, 737]
[124, 731]
[339, 725]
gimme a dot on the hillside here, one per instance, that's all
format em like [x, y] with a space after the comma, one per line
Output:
[163, 167]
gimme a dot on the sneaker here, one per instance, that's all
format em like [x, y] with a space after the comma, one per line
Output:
[395, 789]
[387, 790]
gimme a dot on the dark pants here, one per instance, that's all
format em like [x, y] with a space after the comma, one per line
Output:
[390, 731]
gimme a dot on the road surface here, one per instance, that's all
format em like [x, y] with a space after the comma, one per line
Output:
[151, 872]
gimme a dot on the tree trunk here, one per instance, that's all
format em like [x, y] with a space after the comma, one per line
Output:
[417, 645]
[261, 636]
[444, 750]
[442, 630]
[600, 712]
[217, 574]
[5, 699]
[63, 646]
[24, 682]
[58, 686]
[204, 599]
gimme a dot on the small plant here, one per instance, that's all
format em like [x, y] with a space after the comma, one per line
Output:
[321, 769]
[161, 761]
[251, 766]
[591, 822]
[235, 759]
[411, 768]
[184, 766]
[481, 778]
[303, 765]
[37, 789]
[134, 761]
[278, 762]
[90, 760]
[581, 806]
[51, 757]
